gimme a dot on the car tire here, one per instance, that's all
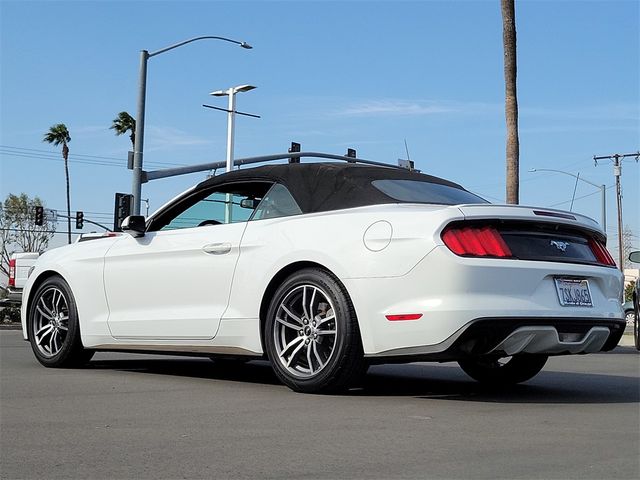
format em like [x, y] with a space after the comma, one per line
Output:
[311, 334]
[503, 371]
[53, 327]
[636, 331]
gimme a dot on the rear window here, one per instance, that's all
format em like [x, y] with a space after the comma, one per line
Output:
[414, 191]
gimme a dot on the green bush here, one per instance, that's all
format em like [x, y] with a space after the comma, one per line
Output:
[10, 315]
[628, 291]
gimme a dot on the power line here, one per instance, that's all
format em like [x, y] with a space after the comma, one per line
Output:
[579, 198]
[8, 150]
[49, 153]
[100, 157]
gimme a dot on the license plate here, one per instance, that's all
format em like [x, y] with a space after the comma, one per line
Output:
[573, 292]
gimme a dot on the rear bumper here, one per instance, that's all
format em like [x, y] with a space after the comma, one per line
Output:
[511, 336]
[456, 295]
[14, 296]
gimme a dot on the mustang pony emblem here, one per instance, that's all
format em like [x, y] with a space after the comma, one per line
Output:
[562, 246]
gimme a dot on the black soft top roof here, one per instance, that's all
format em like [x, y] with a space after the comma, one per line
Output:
[319, 187]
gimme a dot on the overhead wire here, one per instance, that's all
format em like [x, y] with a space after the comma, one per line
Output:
[9, 150]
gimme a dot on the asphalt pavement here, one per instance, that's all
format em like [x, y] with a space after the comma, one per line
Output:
[132, 416]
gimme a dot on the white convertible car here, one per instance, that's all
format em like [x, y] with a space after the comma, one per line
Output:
[326, 268]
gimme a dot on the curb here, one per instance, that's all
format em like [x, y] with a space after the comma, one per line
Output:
[10, 326]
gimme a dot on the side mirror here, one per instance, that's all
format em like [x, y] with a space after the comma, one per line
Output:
[251, 203]
[634, 257]
[134, 225]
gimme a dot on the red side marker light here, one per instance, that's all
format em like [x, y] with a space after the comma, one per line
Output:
[405, 316]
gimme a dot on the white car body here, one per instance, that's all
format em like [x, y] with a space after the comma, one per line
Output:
[203, 289]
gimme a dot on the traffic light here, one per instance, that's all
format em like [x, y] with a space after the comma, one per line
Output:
[122, 209]
[79, 220]
[351, 153]
[39, 220]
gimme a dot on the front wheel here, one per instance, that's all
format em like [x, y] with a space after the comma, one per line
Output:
[53, 327]
[636, 332]
[503, 371]
[311, 334]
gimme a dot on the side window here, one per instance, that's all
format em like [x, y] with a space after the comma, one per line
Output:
[278, 202]
[226, 203]
[216, 209]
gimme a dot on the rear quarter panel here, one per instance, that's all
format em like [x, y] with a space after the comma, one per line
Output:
[334, 240]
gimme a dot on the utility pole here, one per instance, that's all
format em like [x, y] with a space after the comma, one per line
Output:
[617, 159]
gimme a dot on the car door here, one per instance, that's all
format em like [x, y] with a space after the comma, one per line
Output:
[175, 281]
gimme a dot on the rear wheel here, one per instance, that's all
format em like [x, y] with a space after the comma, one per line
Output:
[53, 327]
[311, 334]
[503, 371]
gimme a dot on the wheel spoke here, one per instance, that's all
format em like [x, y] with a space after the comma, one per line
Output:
[317, 355]
[51, 343]
[304, 302]
[294, 353]
[290, 344]
[55, 341]
[287, 324]
[291, 314]
[326, 332]
[309, 356]
[326, 319]
[44, 306]
[55, 301]
[42, 333]
[43, 313]
[44, 330]
[313, 297]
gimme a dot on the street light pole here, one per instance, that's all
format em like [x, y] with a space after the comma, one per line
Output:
[231, 116]
[231, 120]
[136, 188]
[603, 191]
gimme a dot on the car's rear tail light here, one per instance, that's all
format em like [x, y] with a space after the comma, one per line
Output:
[404, 316]
[12, 272]
[476, 242]
[601, 253]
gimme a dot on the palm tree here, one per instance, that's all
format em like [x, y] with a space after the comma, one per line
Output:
[511, 99]
[59, 134]
[124, 123]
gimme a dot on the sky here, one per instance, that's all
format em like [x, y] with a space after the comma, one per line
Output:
[331, 76]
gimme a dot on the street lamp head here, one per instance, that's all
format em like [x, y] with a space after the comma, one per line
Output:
[245, 45]
[532, 170]
[232, 90]
[243, 88]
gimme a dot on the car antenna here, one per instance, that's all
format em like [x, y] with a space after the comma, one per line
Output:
[406, 147]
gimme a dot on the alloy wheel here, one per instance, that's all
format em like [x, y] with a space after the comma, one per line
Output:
[51, 321]
[305, 330]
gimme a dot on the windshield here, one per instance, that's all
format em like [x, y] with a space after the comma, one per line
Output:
[415, 191]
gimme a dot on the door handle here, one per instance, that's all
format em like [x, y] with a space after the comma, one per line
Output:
[217, 248]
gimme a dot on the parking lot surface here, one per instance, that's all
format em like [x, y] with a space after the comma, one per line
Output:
[133, 416]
